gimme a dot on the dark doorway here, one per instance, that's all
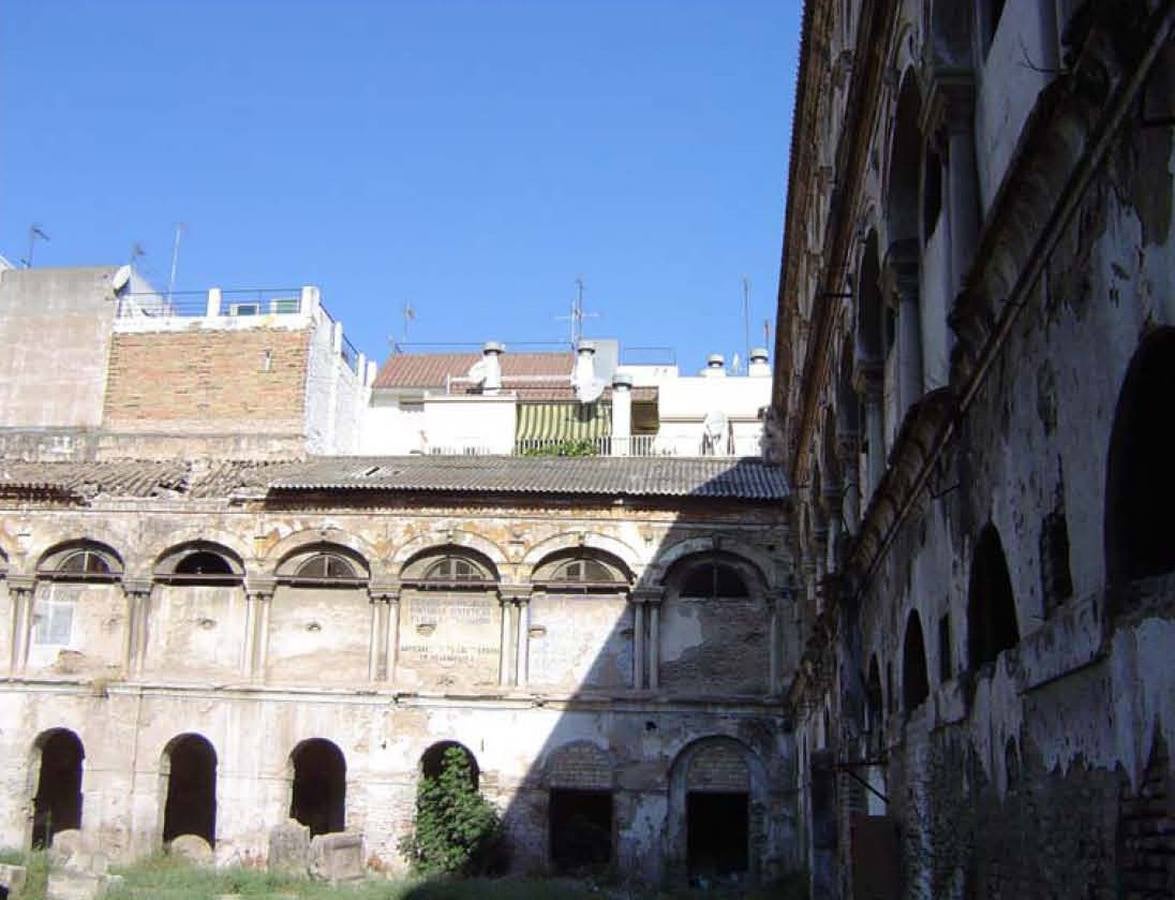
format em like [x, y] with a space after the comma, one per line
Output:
[191, 789]
[319, 795]
[718, 833]
[57, 805]
[991, 608]
[915, 683]
[432, 763]
[1140, 481]
[581, 828]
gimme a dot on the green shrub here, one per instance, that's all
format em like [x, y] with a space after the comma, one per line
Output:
[457, 831]
[582, 447]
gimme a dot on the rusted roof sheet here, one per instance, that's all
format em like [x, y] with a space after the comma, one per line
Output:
[664, 476]
[432, 370]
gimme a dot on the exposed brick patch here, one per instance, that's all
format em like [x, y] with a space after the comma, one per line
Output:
[1146, 832]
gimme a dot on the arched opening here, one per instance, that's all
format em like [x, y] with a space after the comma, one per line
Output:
[57, 804]
[991, 608]
[711, 579]
[915, 684]
[871, 344]
[80, 561]
[190, 807]
[717, 810]
[901, 210]
[432, 762]
[318, 797]
[1140, 480]
[199, 563]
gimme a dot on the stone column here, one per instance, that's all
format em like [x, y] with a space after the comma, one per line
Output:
[138, 596]
[522, 639]
[873, 384]
[774, 645]
[21, 588]
[962, 187]
[653, 604]
[847, 451]
[384, 599]
[638, 640]
[902, 274]
[258, 597]
[505, 641]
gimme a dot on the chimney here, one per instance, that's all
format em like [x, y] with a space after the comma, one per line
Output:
[759, 367]
[492, 367]
[715, 366]
[621, 414]
[585, 364]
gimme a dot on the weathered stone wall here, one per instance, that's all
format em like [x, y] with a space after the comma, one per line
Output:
[259, 666]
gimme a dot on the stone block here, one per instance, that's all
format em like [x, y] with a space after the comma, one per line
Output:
[337, 857]
[65, 844]
[12, 879]
[74, 884]
[193, 848]
[289, 848]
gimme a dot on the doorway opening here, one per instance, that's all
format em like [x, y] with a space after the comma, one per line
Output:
[319, 795]
[581, 828]
[191, 789]
[57, 805]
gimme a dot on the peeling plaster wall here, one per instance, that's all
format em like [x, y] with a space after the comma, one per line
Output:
[315, 682]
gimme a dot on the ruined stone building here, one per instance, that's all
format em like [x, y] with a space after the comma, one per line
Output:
[974, 377]
[217, 619]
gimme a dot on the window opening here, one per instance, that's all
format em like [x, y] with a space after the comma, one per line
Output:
[582, 571]
[84, 562]
[453, 568]
[191, 790]
[326, 565]
[57, 805]
[915, 684]
[54, 621]
[991, 608]
[432, 763]
[581, 828]
[203, 562]
[1056, 580]
[714, 580]
[318, 795]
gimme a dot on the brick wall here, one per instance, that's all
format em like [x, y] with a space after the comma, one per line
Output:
[247, 381]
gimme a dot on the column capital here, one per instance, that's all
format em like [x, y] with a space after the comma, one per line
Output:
[647, 595]
[261, 587]
[137, 586]
[386, 591]
[21, 583]
[515, 593]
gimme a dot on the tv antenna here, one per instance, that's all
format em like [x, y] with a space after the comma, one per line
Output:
[746, 317]
[35, 231]
[577, 314]
[180, 227]
[409, 316]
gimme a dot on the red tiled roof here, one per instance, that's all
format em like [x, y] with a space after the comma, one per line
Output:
[430, 370]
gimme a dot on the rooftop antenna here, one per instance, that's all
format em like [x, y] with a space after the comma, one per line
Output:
[180, 227]
[35, 232]
[746, 317]
[577, 314]
[766, 332]
[136, 251]
[409, 316]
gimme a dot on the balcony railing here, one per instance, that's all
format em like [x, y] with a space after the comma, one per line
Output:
[197, 304]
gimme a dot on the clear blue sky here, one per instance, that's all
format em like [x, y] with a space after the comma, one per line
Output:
[470, 156]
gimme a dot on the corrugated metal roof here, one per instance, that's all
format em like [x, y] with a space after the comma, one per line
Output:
[432, 370]
[663, 476]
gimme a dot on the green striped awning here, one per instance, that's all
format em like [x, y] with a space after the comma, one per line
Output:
[563, 421]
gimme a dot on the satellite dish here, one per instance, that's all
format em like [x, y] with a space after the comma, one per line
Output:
[121, 278]
[477, 372]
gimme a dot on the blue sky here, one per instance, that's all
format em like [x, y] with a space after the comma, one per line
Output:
[472, 157]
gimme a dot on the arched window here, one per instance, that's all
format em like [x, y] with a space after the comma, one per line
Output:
[80, 562]
[326, 565]
[991, 608]
[579, 571]
[713, 579]
[1140, 478]
[432, 762]
[200, 563]
[453, 568]
[915, 684]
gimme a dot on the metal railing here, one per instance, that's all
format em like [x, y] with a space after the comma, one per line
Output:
[349, 354]
[196, 304]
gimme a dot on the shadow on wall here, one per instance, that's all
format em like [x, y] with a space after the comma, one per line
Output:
[667, 759]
